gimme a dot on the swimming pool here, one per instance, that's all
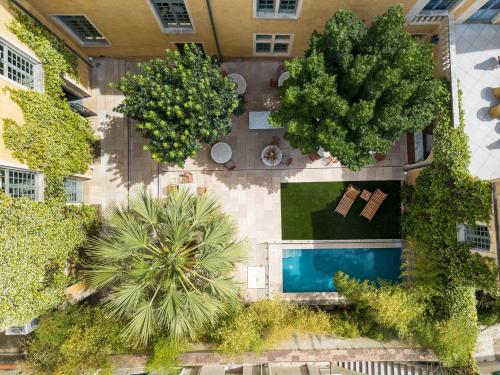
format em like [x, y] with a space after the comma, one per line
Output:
[312, 270]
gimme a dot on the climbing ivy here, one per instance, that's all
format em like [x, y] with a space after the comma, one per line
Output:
[53, 139]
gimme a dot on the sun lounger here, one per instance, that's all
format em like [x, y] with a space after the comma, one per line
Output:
[347, 200]
[373, 204]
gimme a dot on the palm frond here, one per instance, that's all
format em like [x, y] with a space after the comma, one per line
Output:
[124, 301]
[146, 207]
[141, 327]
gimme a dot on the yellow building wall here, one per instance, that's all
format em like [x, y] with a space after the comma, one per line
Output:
[8, 109]
[133, 31]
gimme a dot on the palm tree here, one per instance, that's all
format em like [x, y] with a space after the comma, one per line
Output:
[166, 264]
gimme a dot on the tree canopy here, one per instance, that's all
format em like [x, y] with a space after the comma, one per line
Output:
[358, 88]
[166, 264]
[36, 241]
[179, 102]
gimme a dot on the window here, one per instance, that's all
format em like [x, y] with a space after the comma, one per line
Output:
[19, 183]
[478, 236]
[276, 8]
[74, 190]
[83, 30]
[440, 4]
[17, 67]
[173, 15]
[269, 44]
[486, 13]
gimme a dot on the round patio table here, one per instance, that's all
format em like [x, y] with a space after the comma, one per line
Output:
[271, 156]
[221, 152]
[240, 81]
[283, 77]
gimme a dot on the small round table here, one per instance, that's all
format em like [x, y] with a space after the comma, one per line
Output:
[240, 81]
[221, 152]
[271, 156]
[283, 77]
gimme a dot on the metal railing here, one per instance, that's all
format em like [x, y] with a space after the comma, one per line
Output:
[447, 62]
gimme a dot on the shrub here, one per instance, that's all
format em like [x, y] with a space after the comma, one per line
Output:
[74, 341]
[358, 88]
[165, 352]
[36, 241]
[262, 324]
[180, 102]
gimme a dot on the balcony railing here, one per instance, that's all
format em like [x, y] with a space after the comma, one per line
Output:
[447, 62]
[429, 17]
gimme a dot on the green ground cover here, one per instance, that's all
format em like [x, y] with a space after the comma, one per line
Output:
[307, 212]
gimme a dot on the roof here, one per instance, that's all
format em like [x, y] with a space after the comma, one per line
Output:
[478, 71]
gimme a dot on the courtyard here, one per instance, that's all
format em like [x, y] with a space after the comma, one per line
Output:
[250, 193]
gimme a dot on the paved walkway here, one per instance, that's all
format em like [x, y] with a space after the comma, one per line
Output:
[250, 193]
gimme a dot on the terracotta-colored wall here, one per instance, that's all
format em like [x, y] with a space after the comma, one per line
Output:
[133, 30]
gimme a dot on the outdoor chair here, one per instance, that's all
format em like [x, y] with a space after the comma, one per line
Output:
[275, 140]
[171, 188]
[347, 200]
[230, 165]
[373, 204]
[314, 156]
[186, 178]
[329, 160]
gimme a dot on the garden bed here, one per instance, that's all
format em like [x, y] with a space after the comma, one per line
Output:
[307, 212]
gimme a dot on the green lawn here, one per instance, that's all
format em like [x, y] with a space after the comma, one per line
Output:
[307, 212]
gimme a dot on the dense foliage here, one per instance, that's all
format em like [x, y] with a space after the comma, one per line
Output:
[36, 241]
[436, 306]
[259, 325]
[166, 264]
[180, 102]
[53, 139]
[74, 341]
[358, 88]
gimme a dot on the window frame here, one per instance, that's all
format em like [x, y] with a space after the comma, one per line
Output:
[38, 188]
[272, 41]
[38, 84]
[463, 236]
[276, 13]
[173, 30]
[453, 6]
[67, 29]
[79, 191]
[474, 19]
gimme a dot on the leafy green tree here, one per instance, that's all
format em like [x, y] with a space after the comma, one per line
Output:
[167, 264]
[74, 341]
[180, 102]
[36, 241]
[358, 88]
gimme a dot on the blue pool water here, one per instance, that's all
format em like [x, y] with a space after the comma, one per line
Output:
[313, 270]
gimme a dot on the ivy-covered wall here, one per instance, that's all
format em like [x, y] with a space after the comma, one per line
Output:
[49, 137]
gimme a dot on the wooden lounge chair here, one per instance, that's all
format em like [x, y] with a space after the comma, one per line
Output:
[347, 200]
[373, 204]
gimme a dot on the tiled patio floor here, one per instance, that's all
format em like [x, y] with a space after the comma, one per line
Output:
[478, 48]
[250, 193]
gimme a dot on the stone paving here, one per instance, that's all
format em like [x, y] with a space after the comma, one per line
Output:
[250, 193]
[478, 70]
